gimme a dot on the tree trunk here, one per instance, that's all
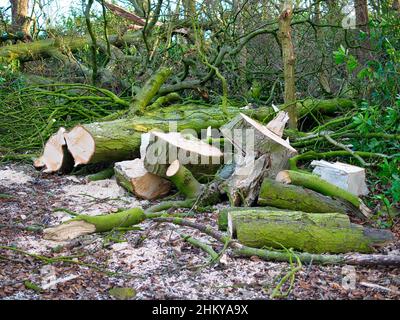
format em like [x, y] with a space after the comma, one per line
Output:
[285, 36]
[362, 20]
[20, 21]
[310, 232]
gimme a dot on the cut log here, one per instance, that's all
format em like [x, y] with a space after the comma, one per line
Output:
[343, 175]
[55, 155]
[315, 183]
[136, 179]
[84, 224]
[103, 142]
[119, 140]
[310, 232]
[276, 194]
[164, 148]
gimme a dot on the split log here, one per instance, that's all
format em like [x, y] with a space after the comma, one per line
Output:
[184, 180]
[310, 232]
[164, 148]
[84, 224]
[343, 175]
[276, 194]
[315, 183]
[265, 154]
[136, 179]
[55, 155]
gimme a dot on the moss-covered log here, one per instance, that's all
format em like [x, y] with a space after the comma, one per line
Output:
[310, 232]
[276, 194]
[223, 214]
[85, 224]
[120, 139]
[314, 182]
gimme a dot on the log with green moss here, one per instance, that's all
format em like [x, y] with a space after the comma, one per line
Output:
[85, 224]
[223, 214]
[314, 182]
[280, 195]
[310, 232]
[120, 139]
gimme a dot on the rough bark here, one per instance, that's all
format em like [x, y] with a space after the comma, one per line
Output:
[20, 21]
[362, 20]
[310, 232]
[289, 60]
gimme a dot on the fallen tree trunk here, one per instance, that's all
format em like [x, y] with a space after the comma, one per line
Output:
[315, 183]
[261, 153]
[136, 179]
[311, 232]
[276, 194]
[84, 224]
[120, 139]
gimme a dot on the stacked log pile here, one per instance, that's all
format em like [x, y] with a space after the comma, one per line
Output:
[270, 206]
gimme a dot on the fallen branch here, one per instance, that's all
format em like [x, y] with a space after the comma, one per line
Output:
[315, 183]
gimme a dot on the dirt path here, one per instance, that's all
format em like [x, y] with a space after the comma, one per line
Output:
[153, 259]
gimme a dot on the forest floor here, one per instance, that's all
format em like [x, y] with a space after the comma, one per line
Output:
[152, 260]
